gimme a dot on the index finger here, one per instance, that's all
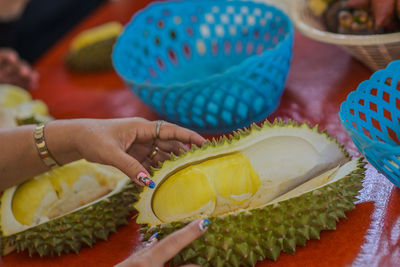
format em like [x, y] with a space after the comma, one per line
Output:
[175, 242]
[170, 131]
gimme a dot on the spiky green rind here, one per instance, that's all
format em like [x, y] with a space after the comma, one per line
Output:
[29, 120]
[239, 134]
[75, 230]
[93, 57]
[243, 238]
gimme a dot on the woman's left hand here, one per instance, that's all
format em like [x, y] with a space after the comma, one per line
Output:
[156, 253]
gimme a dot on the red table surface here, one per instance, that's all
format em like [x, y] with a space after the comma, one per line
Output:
[321, 76]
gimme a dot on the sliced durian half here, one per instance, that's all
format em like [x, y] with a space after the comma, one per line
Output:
[91, 50]
[265, 190]
[65, 208]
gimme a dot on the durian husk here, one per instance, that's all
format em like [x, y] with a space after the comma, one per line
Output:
[93, 57]
[70, 232]
[244, 237]
[91, 50]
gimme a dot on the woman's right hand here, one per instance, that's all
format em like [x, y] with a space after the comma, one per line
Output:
[155, 253]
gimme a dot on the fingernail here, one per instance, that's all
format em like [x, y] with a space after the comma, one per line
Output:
[151, 240]
[152, 184]
[142, 177]
[203, 224]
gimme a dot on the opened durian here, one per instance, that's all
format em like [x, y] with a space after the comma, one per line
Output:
[91, 50]
[17, 107]
[64, 209]
[265, 190]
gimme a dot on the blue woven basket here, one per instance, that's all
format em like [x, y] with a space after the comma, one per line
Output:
[371, 116]
[212, 66]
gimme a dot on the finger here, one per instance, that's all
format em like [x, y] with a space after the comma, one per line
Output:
[24, 69]
[10, 56]
[132, 168]
[170, 131]
[147, 164]
[175, 242]
[34, 80]
[159, 157]
[169, 146]
[9, 69]
[29, 75]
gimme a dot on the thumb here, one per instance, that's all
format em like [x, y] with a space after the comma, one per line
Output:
[132, 168]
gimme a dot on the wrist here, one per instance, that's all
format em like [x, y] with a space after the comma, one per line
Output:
[61, 142]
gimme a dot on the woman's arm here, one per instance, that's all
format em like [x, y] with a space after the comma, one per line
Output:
[19, 158]
[128, 144]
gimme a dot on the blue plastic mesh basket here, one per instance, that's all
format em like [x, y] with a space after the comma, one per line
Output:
[212, 66]
[371, 116]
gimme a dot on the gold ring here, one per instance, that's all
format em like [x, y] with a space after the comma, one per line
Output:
[154, 152]
[158, 127]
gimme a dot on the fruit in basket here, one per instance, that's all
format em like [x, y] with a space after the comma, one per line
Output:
[64, 209]
[358, 16]
[17, 107]
[265, 190]
[91, 50]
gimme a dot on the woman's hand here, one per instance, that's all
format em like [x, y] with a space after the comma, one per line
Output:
[11, 9]
[155, 253]
[14, 70]
[131, 144]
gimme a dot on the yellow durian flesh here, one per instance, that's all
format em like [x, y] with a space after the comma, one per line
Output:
[208, 188]
[170, 201]
[11, 96]
[60, 191]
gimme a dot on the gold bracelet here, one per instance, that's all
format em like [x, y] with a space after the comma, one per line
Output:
[42, 149]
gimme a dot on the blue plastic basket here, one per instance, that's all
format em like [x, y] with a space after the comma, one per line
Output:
[371, 116]
[212, 66]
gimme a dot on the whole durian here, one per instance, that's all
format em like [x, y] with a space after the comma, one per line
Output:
[265, 190]
[64, 209]
[91, 50]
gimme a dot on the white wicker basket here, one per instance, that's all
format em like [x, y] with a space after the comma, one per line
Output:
[375, 51]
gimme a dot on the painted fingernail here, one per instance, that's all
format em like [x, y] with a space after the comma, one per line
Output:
[142, 177]
[203, 224]
[151, 240]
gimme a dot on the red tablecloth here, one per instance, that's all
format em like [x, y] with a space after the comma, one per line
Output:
[321, 76]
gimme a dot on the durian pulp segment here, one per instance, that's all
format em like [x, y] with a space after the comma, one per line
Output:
[254, 173]
[283, 163]
[102, 32]
[208, 188]
[60, 191]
